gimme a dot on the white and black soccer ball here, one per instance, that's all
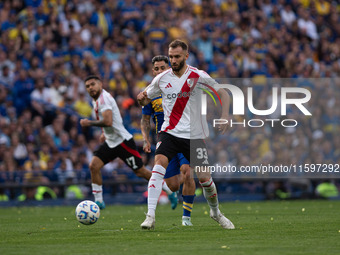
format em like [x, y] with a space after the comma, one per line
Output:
[87, 212]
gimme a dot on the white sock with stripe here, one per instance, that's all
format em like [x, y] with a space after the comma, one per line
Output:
[210, 194]
[155, 188]
[97, 191]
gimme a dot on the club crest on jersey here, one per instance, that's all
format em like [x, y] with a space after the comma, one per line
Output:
[190, 82]
[158, 144]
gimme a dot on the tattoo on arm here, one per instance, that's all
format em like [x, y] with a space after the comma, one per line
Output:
[98, 123]
[145, 126]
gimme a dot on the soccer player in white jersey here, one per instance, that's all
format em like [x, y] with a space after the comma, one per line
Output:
[178, 170]
[115, 140]
[179, 133]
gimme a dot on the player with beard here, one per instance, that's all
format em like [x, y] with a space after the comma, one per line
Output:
[178, 170]
[181, 131]
[115, 140]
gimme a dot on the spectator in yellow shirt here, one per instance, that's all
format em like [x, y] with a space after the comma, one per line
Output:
[82, 106]
[323, 7]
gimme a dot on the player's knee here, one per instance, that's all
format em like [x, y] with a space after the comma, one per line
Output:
[94, 167]
[161, 160]
[185, 169]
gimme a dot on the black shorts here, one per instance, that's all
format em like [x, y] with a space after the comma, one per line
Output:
[126, 151]
[193, 149]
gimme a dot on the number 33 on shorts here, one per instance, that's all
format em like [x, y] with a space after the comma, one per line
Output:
[201, 153]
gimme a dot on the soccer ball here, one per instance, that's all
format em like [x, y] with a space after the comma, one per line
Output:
[87, 212]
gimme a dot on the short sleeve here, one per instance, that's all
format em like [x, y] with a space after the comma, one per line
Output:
[104, 103]
[103, 108]
[206, 79]
[153, 89]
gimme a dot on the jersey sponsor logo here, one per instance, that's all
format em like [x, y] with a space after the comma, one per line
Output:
[180, 94]
[152, 186]
[168, 86]
[158, 144]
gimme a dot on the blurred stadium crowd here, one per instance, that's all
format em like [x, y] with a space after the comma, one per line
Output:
[47, 48]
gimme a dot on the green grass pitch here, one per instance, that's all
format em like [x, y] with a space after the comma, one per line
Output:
[273, 227]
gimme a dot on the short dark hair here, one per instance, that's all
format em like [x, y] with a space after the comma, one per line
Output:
[160, 58]
[90, 77]
[178, 43]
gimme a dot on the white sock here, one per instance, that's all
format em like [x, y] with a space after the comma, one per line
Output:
[97, 191]
[166, 188]
[155, 188]
[210, 194]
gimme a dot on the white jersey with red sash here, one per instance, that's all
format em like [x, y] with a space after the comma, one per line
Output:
[117, 133]
[182, 101]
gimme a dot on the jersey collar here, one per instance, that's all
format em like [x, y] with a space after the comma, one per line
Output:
[186, 70]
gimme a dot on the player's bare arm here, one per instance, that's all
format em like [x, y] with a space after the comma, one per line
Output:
[102, 138]
[143, 99]
[225, 98]
[146, 127]
[105, 122]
